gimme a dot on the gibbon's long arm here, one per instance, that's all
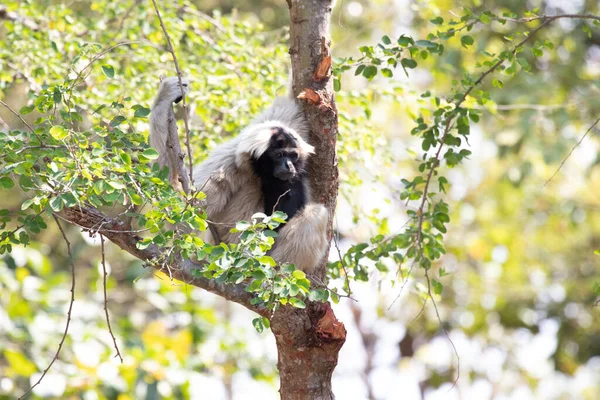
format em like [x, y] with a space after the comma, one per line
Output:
[163, 130]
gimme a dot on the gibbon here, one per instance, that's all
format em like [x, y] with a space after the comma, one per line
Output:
[260, 170]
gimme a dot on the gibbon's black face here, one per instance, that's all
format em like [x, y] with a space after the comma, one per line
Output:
[282, 159]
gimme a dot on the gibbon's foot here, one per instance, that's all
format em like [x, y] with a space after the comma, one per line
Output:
[303, 240]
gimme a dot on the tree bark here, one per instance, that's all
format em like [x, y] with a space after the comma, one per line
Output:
[309, 340]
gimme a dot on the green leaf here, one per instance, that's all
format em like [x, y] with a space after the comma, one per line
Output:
[27, 109]
[116, 121]
[409, 63]
[279, 215]
[6, 182]
[405, 41]
[387, 72]
[116, 185]
[297, 303]
[258, 274]
[266, 260]
[26, 204]
[243, 226]
[142, 112]
[143, 244]
[386, 40]
[150, 154]
[524, 63]
[287, 268]
[359, 69]
[57, 95]
[58, 132]
[108, 70]
[258, 324]
[56, 204]
[467, 41]
[299, 274]
[437, 286]
[337, 84]
[437, 21]
[485, 18]
[370, 72]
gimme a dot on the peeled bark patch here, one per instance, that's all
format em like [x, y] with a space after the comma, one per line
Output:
[329, 327]
[310, 95]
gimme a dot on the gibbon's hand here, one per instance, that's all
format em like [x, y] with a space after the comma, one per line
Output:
[170, 91]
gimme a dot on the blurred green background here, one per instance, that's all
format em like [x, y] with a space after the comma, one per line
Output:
[519, 303]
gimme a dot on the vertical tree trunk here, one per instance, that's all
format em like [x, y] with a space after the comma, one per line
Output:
[309, 340]
[308, 343]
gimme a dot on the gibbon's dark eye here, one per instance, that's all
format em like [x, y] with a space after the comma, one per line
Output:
[278, 155]
[294, 156]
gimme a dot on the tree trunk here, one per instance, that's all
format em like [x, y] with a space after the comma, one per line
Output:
[308, 343]
[309, 340]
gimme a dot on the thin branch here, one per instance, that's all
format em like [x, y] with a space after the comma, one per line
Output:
[204, 16]
[179, 75]
[97, 57]
[437, 313]
[18, 115]
[64, 336]
[420, 312]
[572, 150]
[117, 232]
[4, 124]
[553, 17]
[279, 198]
[342, 262]
[412, 266]
[106, 299]
[534, 107]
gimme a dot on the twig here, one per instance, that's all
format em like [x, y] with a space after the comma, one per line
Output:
[4, 124]
[97, 57]
[534, 107]
[572, 150]
[412, 266]
[179, 75]
[18, 115]
[343, 264]
[106, 299]
[437, 313]
[420, 311]
[553, 17]
[279, 198]
[206, 17]
[64, 336]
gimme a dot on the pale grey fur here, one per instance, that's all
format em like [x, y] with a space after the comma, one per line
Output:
[162, 116]
[233, 190]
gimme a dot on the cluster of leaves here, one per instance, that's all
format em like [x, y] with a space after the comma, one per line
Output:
[443, 131]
